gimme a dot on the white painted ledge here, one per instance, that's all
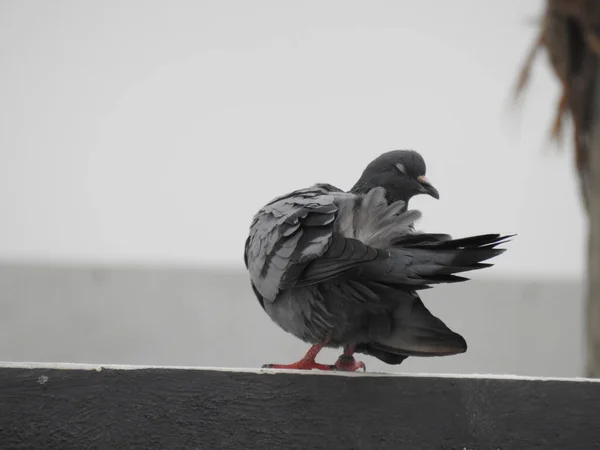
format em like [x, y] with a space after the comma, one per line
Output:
[99, 367]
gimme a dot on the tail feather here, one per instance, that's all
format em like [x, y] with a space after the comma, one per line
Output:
[415, 331]
[434, 259]
[418, 261]
[442, 242]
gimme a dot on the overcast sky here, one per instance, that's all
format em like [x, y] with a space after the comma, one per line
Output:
[151, 131]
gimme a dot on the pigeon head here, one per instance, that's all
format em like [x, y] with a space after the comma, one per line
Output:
[400, 172]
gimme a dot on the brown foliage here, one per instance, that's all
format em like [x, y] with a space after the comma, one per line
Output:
[570, 33]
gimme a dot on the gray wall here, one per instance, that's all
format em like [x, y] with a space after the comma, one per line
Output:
[210, 318]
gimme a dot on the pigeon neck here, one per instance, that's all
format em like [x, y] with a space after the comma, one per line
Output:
[391, 195]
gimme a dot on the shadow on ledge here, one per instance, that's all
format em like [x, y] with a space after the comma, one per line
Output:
[110, 407]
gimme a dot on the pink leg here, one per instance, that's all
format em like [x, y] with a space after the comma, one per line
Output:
[306, 363]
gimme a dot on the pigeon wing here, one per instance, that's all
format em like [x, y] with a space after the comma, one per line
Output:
[293, 241]
[287, 234]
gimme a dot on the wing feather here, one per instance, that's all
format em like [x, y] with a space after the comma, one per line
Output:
[287, 234]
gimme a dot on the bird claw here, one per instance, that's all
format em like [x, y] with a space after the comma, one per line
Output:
[347, 363]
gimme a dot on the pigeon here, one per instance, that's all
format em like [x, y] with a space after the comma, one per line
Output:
[344, 269]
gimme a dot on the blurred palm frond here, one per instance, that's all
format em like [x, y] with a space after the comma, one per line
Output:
[569, 33]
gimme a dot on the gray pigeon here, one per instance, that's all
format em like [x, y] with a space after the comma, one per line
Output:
[343, 269]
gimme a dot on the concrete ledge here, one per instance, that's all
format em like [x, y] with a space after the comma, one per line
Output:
[71, 406]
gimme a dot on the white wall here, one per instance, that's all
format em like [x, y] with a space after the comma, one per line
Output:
[151, 131]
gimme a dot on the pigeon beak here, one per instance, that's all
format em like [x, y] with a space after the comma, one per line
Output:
[427, 188]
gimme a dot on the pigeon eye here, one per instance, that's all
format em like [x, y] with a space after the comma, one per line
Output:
[401, 168]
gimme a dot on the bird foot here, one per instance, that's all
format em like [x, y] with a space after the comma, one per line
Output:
[300, 365]
[347, 363]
